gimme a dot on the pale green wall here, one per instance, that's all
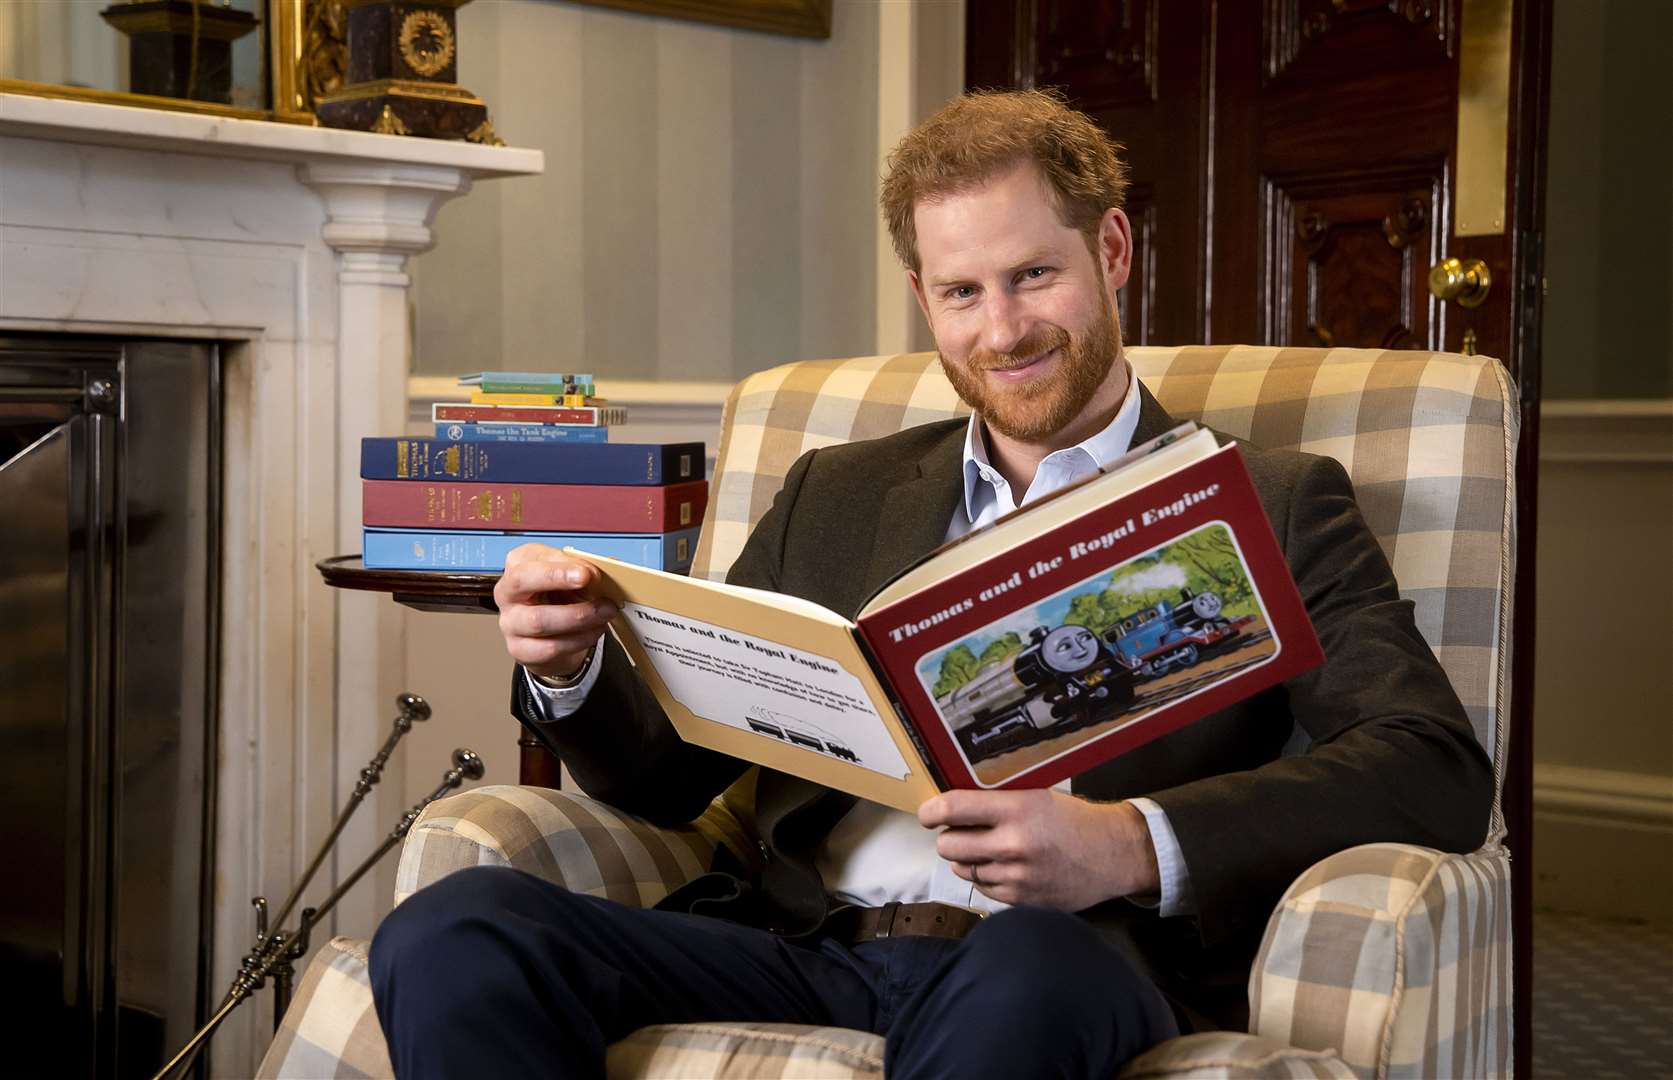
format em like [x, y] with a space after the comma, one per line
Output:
[708, 207]
[1609, 209]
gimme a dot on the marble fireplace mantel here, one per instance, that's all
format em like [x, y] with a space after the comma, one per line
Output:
[288, 246]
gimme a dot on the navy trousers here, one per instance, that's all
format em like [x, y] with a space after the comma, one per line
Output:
[492, 972]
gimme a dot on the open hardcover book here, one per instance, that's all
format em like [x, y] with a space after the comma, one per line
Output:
[1096, 619]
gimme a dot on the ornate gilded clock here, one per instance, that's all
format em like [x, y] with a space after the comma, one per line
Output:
[403, 60]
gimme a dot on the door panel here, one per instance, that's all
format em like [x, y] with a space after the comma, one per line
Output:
[1333, 37]
[1107, 54]
[1138, 68]
[1350, 254]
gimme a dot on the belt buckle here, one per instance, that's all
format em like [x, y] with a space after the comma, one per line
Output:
[886, 920]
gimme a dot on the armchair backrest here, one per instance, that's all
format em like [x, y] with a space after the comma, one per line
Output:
[1429, 440]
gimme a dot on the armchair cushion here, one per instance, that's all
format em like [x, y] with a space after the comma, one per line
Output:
[739, 1051]
[1230, 1055]
[1395, 957]
[568, 839]
[331, 1031]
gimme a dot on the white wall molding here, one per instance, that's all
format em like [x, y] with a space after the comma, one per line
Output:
[378, 214]
[1614, 432]
[1603, 833]
[1603, 842]
[897, 111]
[1605, 796]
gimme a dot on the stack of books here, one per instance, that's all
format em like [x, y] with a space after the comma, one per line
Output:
[526, 406]
[527, 460]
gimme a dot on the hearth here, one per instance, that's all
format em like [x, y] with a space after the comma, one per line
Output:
[109, 562]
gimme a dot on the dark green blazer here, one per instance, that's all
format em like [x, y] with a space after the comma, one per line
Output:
[1371, 746]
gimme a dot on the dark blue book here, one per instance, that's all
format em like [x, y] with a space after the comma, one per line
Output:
[530, 462]
[474, 549]
[568, 433]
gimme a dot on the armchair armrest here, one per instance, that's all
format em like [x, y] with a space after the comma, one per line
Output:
[1395, 957]
[568, 839]
[1232, 1055]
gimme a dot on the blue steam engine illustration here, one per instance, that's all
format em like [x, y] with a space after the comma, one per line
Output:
[1069, 676]
[1158, 639]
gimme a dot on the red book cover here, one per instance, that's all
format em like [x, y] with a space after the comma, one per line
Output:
[1098, 635]
[533, 507]
[587, 415]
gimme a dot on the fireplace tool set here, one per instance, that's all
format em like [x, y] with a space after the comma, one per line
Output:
[276, 951]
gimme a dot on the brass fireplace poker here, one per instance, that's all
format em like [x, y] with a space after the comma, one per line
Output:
[275, 953]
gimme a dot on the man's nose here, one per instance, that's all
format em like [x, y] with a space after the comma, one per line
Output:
[1007, 323]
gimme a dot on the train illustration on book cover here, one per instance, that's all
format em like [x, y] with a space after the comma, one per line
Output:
[1100, 654]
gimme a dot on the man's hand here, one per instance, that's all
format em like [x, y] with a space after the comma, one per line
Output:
[1044, 847]
[547, 617]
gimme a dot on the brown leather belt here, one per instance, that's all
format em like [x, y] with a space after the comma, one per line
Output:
[932, 919]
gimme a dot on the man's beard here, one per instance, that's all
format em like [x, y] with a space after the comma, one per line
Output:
[1043, 406]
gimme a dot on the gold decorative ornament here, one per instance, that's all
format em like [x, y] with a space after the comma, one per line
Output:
[426, 42]
[389, 124]
[325, 50]
[485, 135]
[399, 70]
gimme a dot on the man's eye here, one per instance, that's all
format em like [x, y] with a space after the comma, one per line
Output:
[1034, 273]
[961, 292]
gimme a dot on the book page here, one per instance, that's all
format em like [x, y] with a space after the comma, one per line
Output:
[765, 688]
[718, 657]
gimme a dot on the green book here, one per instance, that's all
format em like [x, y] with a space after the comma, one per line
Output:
[528, 382]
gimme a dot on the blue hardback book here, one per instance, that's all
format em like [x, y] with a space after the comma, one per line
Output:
[569, 433]
[530, 462]
[473, 549]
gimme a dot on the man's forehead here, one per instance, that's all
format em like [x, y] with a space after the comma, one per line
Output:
[1008, 220]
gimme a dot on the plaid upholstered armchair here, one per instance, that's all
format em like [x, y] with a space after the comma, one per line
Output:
[1383, 960]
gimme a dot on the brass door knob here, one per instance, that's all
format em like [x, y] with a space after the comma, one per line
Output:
[1465, 281]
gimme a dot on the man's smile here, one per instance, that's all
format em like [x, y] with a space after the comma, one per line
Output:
[1025, 370]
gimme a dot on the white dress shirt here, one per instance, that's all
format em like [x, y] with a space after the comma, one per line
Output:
[876, 854]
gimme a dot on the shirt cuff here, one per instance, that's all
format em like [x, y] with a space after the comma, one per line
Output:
[556, 703]
[1177, 896]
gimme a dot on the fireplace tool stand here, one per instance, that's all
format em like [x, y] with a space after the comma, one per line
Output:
[275, 953]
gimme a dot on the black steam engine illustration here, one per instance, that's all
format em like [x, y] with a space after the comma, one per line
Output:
[764, 721]
[1068, 677]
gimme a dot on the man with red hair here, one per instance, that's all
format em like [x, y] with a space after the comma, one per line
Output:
[1052, 933]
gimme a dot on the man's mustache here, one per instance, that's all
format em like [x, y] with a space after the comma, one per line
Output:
[1026, 351]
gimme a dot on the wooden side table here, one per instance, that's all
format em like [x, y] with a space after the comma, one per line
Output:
[450, 592]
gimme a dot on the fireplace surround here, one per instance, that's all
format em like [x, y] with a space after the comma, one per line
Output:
[283, 248]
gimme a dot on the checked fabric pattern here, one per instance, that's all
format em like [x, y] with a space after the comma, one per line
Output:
[1429, 440]
[1381, 961]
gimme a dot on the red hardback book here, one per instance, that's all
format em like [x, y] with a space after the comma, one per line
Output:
[1090, 622]
[533, 507]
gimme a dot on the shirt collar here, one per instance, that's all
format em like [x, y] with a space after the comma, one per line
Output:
[982, 481]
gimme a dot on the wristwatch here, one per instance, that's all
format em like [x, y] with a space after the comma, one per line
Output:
[572, 681]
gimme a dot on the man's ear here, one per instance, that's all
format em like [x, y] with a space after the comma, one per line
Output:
[1115, 248]
[918, 291]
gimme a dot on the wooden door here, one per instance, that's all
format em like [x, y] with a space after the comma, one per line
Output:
[1295, 162]
[1300, 167]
